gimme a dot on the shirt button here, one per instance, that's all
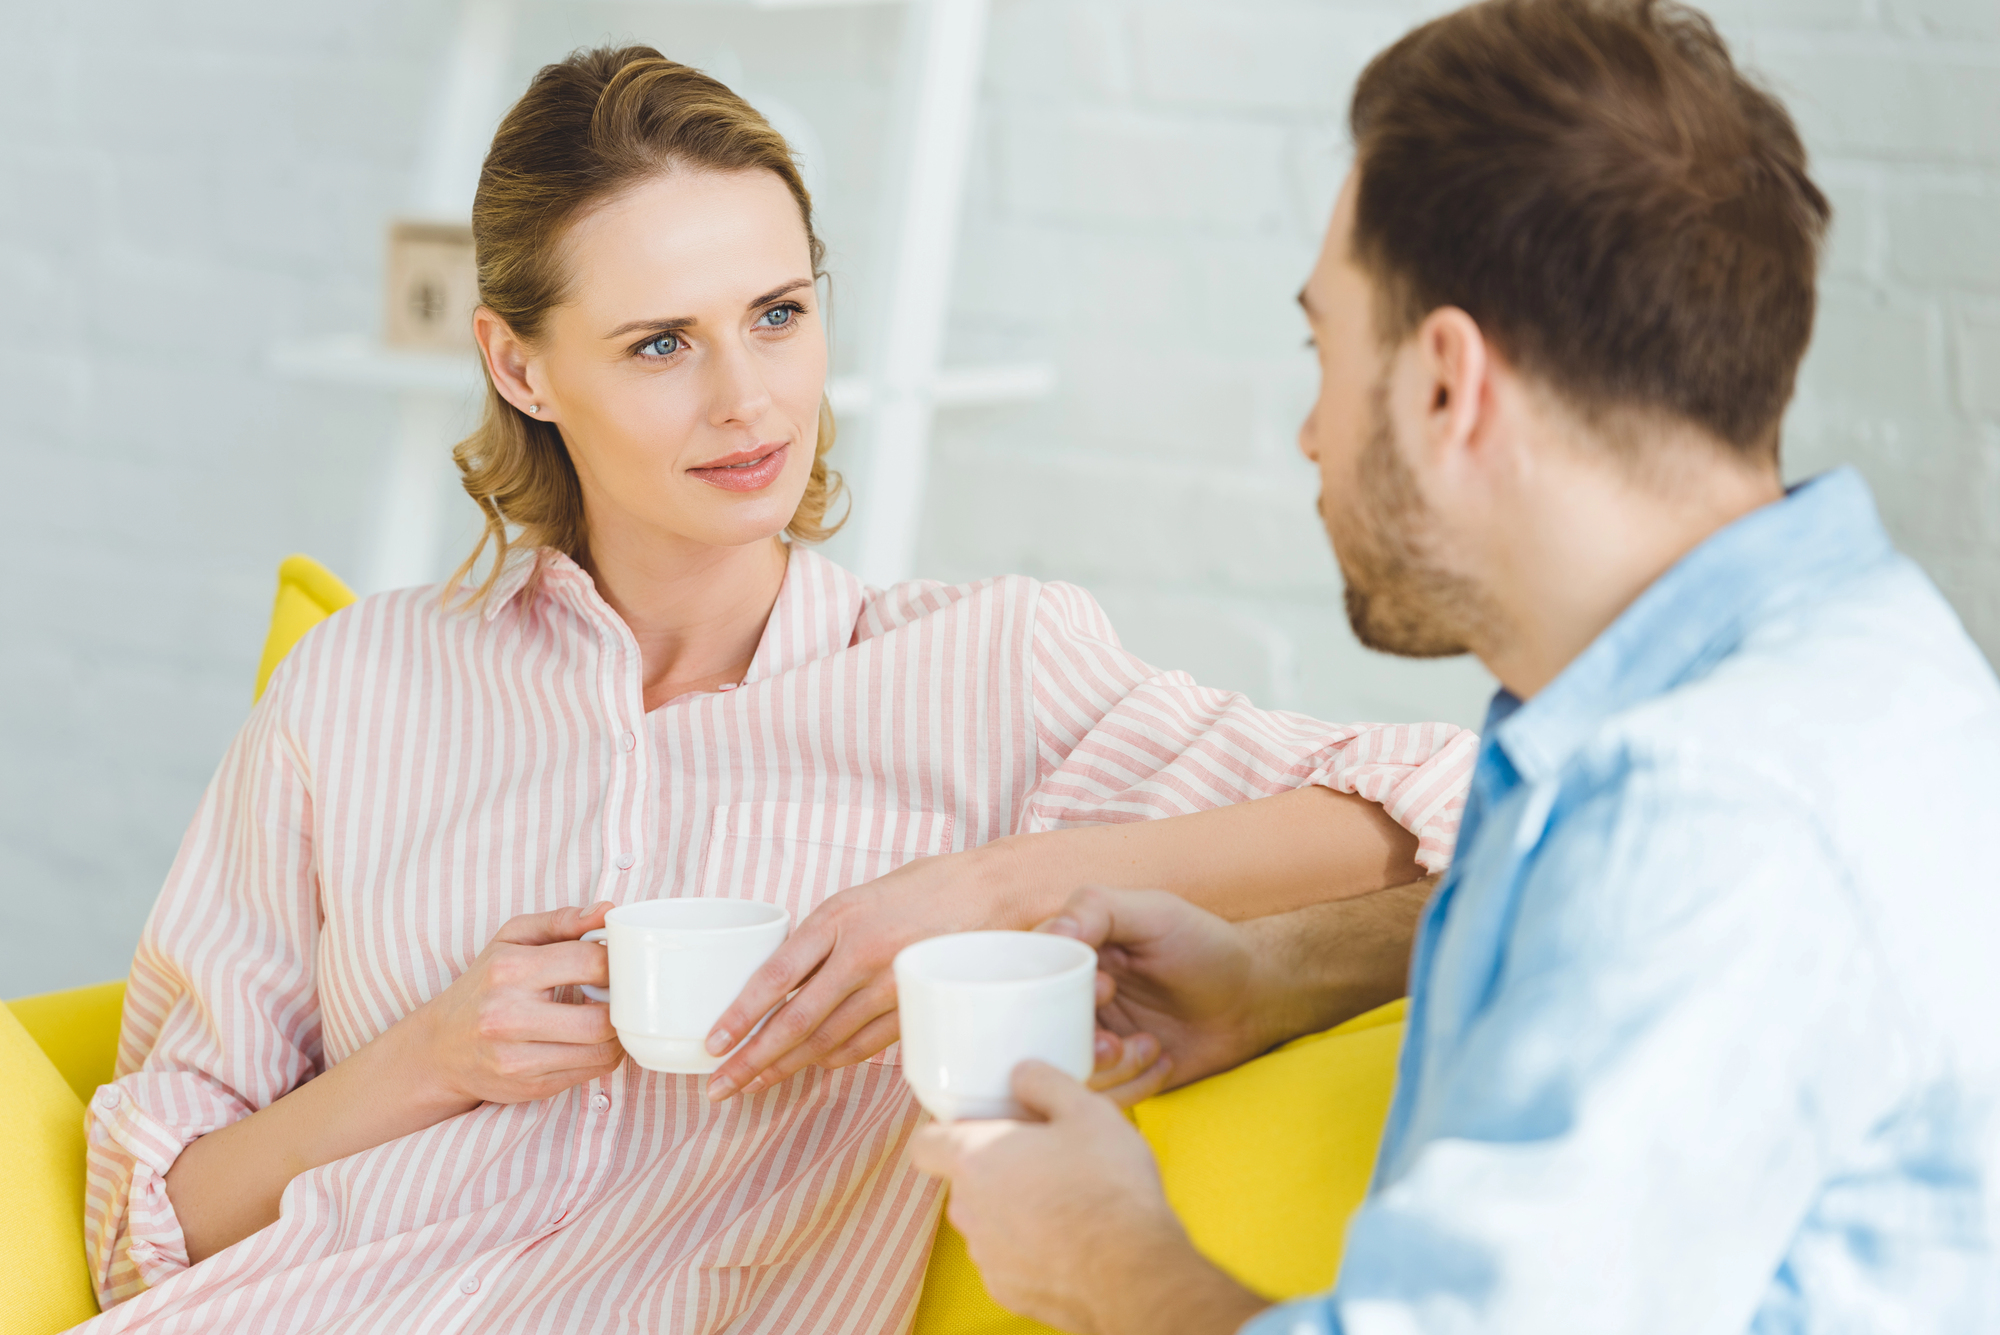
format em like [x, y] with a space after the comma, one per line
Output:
[628, 741]
[600, 1102]
[107, 1098]
[624, 862]
[470, 1284]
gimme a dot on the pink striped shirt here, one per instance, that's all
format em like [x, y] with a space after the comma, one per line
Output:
[415, 777]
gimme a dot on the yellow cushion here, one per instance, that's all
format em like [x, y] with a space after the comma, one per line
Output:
[78, 1030]
[44, 1282]
[308, 593]
[1264, 1165]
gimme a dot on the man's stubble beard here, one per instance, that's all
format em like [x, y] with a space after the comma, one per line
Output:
[1400, 598]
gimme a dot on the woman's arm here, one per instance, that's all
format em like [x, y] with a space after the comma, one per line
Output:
[1142, 778]
[496, 1035]
[1250, 860]
[1244, 861]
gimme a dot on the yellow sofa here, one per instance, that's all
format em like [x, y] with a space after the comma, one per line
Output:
[1264, 1163]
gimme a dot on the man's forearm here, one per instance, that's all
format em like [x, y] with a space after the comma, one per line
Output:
[1256, 858]
[1160, 1285]
[1326, 963]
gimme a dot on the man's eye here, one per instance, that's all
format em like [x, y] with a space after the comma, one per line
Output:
[666, 345]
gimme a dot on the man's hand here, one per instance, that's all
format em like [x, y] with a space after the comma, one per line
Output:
[1216, 993]
[1175, 973]
[1067, 1222]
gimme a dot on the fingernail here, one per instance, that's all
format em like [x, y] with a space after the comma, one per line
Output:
[720, 1088]
[1107, 1047]
[718, 1043]
[1146, 1047]
[1065, 926]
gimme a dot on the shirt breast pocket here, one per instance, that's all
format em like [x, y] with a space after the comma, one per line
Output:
[796, 854]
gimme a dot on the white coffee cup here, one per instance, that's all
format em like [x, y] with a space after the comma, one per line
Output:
[676, 964]
[974, 1005]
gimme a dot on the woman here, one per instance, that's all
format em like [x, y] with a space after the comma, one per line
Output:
[356, 1092]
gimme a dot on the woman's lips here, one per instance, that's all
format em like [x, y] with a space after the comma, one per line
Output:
[753, 474]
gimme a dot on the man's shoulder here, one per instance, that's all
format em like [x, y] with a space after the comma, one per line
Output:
[1828, 777]
[1869, 683]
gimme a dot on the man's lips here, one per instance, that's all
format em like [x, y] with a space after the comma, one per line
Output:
[748, 470]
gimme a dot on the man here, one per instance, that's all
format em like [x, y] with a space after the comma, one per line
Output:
[1705, 1023]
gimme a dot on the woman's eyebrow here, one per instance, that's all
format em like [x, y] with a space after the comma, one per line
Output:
[688, 321]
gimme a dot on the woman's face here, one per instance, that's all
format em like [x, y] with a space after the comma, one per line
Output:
[686, 368]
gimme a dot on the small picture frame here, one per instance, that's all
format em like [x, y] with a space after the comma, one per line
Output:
[433, 286]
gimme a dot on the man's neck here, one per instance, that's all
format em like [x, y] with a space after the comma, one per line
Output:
[697, 611]
[1591, 537]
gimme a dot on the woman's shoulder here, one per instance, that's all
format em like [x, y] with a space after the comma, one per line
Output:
[375, 640]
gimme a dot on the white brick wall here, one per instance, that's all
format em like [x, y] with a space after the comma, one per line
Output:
[183, 185]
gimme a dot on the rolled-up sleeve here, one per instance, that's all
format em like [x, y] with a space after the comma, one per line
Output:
[1687, 1027]
[1120, 740]
[221, 1016]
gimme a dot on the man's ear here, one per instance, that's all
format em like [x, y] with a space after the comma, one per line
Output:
[507, 361]
[1451, 365]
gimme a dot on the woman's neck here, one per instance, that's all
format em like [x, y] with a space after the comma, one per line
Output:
[696, 611]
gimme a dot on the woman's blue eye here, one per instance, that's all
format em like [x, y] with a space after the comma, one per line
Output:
[666, 345]
[778, 317]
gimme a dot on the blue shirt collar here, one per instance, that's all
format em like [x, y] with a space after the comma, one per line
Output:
[1693, 615]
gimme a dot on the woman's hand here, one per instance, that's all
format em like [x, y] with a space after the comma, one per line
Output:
[498, 1035]
[838, 962]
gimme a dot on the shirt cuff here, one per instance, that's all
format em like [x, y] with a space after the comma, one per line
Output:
[1416, 772]
[136, 1235]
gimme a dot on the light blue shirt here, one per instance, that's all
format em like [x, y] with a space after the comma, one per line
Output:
[1705, 1021]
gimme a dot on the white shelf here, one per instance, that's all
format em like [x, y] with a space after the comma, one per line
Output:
[354, 359]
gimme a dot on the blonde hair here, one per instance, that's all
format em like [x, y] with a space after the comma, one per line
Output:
[587, 128]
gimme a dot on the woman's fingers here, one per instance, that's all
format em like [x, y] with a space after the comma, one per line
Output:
[790, 1025]
[535, 1020]
[542, 929]
[791, 965]
[845, 1023]
[539, 968]
[876, 1035]
[521, 1071]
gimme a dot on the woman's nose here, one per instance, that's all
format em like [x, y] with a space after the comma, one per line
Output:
[737, 389]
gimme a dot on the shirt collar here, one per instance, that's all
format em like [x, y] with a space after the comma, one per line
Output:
[1695, 614]
[819, 604]
[521, 567]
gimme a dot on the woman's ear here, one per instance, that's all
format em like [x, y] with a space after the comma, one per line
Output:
[508, 361]
[1452, 359]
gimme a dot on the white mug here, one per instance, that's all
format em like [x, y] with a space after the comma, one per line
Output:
[676, 964]
[974, 1005]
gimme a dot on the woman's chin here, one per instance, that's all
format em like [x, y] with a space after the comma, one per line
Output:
[740, 520]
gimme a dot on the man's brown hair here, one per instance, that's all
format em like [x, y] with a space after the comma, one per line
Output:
[1624, 213]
